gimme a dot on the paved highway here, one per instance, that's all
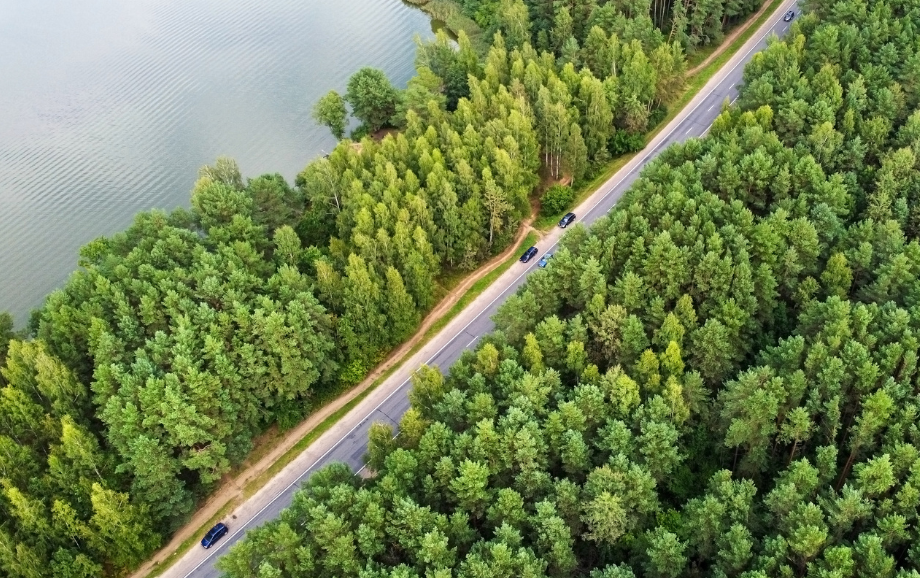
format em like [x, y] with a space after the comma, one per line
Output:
[390, 400]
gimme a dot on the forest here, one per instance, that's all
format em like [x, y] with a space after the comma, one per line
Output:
[140, 383]
[718, 379]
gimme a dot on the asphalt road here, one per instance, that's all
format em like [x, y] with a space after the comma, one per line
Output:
[350, 448]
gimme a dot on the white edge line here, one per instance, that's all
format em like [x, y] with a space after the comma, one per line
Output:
[214, 551]
[338, 441]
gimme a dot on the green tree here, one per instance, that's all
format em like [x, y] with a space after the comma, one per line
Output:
[330, 111]
[372, 98]
[605, 519]
[225, 171]
[665, 554]
[119, 528]
[274, 202]
[513, 19]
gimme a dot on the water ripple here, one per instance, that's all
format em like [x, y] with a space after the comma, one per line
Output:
[117, 112]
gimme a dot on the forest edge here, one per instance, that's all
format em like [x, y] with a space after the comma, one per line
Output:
[284, 449]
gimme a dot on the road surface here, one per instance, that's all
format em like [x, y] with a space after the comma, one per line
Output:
[347, 440]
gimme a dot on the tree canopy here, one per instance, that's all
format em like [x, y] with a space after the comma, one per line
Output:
[330, 111]
[719, 379]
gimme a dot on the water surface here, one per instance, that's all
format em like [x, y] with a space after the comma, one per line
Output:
[108, 107]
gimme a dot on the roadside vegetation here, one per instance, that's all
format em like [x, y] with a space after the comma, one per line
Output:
[719, 379]
[141, 382]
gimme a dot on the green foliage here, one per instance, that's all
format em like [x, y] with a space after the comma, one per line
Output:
[554, 25]
[453, 17]
[556, 199]
[330, 111]
[718, 379]
[624, 142]
[372, 98]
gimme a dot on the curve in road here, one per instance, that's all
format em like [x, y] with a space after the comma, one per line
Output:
[350, 448]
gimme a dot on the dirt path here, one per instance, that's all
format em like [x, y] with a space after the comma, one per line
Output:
[727, 41]
[232, 491]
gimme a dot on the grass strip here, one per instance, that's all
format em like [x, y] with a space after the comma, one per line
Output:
[701, 54]
[695, 84]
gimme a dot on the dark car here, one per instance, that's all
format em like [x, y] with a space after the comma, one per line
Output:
[545, 260]
[567, 220]
[214, 534]
[789, 16]
[529, 254]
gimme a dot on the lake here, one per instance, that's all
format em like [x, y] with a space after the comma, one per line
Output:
[108, 108]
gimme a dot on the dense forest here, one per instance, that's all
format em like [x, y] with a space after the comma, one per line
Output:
[140, 383]
[566, 27]
[719, 379]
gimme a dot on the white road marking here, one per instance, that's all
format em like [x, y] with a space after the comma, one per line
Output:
[242, 527]
[710, 108]
[471, 342]
[688, 130]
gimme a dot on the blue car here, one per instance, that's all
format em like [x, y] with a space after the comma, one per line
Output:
[545, 261]
[214, 534]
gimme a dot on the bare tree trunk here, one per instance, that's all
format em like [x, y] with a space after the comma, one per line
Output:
[847, 466]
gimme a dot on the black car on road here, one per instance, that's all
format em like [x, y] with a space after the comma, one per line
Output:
[567, 220]
[529, 254]
[214, 534]
[789, 16]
